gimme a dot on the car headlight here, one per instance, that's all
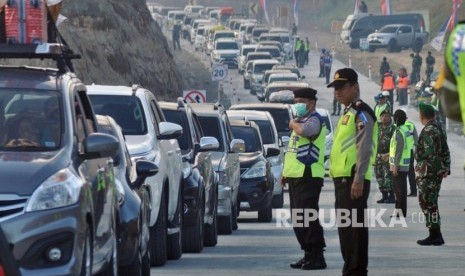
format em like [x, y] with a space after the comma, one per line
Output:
[257, 170]
[59, 190]
[275, 160]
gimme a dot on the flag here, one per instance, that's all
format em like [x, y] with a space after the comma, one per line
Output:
[386, 7]
[356, 6]
[296, 11]
[448, 25]
[437, 41]
[265, 10]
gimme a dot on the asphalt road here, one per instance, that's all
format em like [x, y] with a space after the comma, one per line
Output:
[266, 249]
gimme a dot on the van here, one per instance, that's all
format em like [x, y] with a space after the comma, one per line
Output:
[363, 26]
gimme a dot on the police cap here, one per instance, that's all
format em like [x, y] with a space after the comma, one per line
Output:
[307, 93]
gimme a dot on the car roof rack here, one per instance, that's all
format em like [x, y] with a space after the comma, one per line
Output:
[61, 53]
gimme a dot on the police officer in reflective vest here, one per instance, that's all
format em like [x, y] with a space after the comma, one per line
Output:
[400, 153]
[304, 171]
[352, 156]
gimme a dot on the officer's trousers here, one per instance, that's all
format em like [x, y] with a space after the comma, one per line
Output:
[400, 190]
[304, 193]
[411, 175]
[353, 240]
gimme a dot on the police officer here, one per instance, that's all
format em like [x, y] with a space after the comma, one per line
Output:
[382, 105]
[327, 64]
[307, 50]
[298, 46]
[352, 155]
[430, 61]
[382, 172]
[304, 171]
[433, 164]
[451, 81]
[383, 68]
[399, 161]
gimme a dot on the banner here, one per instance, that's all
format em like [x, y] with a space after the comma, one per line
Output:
[296, 11]
[356, 6]
[386, 7]
[263, 3]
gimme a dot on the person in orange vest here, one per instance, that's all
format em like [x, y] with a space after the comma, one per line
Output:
[389, 85]
[402, 87]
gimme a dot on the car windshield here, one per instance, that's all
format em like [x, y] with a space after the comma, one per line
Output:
[224, 35]
[227, 45]
[257, 33]
[200, 31]
[255, 57]
[266, 130]
[126, 110]
[178, 117]
[274, 79]
[388, 30]
[249, 135]
[245, 51]
[285, 39]
[273, 51]
[30, 120]
[260, 68]
[210, 127]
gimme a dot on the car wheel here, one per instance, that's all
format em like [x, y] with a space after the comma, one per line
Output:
[278, 200]
[135, 267]
[225, 224]
[265, 215]
[192, 236]
[246, 84]
[87, 257]
[211, 230]
[112, 268]
[146, 262]
[175, 240]
[371, 49]
[158, 233]
[392, 46]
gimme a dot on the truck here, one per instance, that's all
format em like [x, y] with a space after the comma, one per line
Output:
[396, 37]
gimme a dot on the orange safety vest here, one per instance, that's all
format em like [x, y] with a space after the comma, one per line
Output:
[388, 83]
[402, 82]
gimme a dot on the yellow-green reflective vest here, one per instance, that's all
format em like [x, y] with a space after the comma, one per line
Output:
[344, 152]
[295, 168]
[405, 157]
[379, 109]
[410, 134]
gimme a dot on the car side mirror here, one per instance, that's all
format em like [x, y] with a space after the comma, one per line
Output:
[144, 169]
[208, 143]
[169, 131]
[285, 140]
[303, 77]
[271, 152]
[99, 145]
[237, 145]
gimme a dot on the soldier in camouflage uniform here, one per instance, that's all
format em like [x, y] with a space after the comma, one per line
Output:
[381, 166]
[433, 164]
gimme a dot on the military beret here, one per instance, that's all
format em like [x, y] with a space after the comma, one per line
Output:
[307, 93]
[426, 108]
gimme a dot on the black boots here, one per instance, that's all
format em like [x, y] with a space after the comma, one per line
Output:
[384, 198]
[311, 261]
[316, 261]
[434, 238]
[388, 197]
[299, 263]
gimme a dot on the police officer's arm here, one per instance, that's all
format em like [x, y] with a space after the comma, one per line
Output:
[308, 129]
[365, 128]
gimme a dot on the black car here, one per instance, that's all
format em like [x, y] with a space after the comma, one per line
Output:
[257, 181]
[134, 204]
[200, 182]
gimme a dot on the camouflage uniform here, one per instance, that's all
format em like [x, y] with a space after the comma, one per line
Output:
[433, 161]
[382, 172]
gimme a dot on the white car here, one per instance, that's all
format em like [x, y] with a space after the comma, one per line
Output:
[243, 51]
[149, 136]
[225, 51]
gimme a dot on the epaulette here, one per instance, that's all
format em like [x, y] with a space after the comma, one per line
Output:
[360, 106]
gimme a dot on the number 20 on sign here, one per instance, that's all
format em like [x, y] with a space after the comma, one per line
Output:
[219, 72]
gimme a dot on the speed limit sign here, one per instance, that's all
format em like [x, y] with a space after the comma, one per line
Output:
[220, 72]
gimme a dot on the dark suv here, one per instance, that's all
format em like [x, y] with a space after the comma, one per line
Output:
[257, 181]
[200, 182]
[57, 188]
